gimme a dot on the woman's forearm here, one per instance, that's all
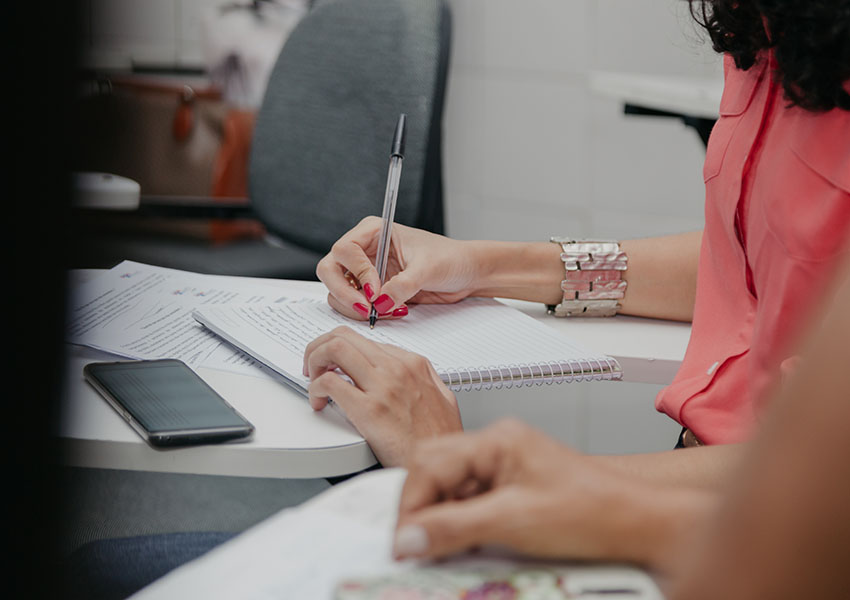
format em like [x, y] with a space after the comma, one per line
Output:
[652, 525]
[661, 275]
[706, 467]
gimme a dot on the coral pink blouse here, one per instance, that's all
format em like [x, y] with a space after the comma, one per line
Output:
[777, 220]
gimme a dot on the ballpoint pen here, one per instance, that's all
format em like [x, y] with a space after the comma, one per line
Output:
[390, 196]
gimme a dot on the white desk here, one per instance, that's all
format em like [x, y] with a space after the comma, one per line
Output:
[694, 100]
[694, 96]
[290, 441]
[649, 350]
[293, 441]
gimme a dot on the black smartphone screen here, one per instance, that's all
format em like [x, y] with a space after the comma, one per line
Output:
[167, 399]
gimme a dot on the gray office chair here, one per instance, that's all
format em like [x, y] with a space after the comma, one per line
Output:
[321, 142]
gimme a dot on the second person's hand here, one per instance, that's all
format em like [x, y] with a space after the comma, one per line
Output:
[512, 486]
[393, 398]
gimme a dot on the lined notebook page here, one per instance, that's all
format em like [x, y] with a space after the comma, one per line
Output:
[471, 343]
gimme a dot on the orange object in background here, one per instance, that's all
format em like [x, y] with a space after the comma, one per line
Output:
[230, 175]
[230, 170]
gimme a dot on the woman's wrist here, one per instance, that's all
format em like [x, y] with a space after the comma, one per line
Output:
[654, 525]
[522, 270]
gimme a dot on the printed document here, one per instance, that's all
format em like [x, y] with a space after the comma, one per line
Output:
[145, 312]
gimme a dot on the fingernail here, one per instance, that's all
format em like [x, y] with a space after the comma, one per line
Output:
[401, 311]
[367, 289]
[410, 540]
[361, 308]
[384, 303]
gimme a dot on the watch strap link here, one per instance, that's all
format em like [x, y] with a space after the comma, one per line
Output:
[593, 281]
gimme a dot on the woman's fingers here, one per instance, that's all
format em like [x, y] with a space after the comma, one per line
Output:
[452, 527]
[360, 310]
[399, 289]
[340, 334]
[459, 489]
[353, 307]
[354, 248]
[332, 385]
[357, 357]
[348, 271]
[338, 280]
[339, 352]
[442, 468]
[512, 485]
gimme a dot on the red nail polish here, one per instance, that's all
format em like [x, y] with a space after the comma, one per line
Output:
[361, 308]
[401, 311]
[367, 289]
[384, 303]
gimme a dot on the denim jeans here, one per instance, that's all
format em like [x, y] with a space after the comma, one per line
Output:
[112, 569]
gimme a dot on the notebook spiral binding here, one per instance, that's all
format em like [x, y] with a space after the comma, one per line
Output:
[525, 374]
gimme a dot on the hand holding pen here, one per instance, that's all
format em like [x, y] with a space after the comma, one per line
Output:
[379, 265]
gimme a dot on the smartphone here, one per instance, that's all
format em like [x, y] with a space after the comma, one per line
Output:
[166, 402]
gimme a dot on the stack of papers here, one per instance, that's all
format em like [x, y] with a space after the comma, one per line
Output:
[141, 311]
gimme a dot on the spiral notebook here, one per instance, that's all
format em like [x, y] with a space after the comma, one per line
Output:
[474, 344]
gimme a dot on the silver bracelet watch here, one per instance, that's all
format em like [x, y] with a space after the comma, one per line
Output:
[593, 282]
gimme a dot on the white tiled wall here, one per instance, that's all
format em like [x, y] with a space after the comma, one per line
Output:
[530, 151]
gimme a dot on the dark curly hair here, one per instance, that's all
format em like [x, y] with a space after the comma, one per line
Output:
[811, 39]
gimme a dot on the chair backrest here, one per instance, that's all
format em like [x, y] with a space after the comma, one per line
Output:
[322, 138]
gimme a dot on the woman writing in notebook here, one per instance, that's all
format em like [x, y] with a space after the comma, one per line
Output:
[777, 218]
[777, 222]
